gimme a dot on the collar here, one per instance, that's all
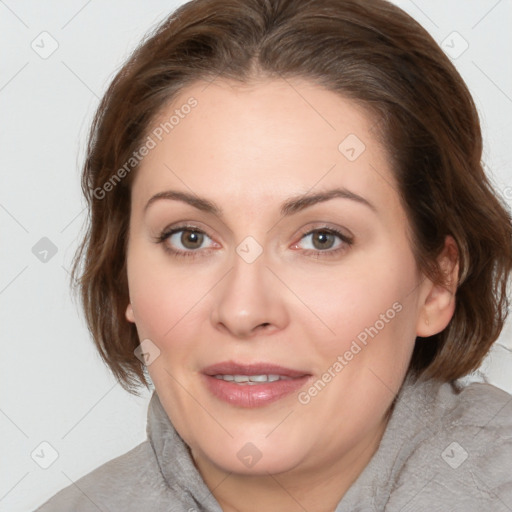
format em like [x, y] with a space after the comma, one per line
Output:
[175, 461]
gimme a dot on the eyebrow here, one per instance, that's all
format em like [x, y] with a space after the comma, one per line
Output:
[289, 207]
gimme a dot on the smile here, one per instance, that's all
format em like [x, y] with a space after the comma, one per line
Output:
[251, 379]
[252, 385]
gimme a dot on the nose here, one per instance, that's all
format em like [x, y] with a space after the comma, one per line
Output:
[249, 301]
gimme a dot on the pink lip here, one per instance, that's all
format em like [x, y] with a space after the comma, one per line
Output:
[232, 368]
[257, 395]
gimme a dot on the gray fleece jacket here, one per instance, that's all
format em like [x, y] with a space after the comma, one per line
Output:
[445, 448]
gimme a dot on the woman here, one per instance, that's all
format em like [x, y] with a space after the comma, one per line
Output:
[292, 237]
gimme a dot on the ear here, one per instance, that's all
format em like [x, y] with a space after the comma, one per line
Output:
[438, 304]
[129, 313]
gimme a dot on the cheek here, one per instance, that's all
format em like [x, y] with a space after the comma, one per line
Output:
[161, 296]
[369, 353]
[356, 300]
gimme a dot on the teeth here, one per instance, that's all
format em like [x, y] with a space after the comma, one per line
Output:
[251, 379]
[262, 378]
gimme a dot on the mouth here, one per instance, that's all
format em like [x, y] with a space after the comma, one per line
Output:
[252, 385]
[251, 380]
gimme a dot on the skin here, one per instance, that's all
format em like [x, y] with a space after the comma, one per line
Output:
[248, 149]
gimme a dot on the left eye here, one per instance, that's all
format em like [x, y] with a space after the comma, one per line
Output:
[324, 239]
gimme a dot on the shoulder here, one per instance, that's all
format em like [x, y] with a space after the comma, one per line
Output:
[120, 484]
[463, 460]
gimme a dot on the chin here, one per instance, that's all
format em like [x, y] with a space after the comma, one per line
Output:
[245, 457]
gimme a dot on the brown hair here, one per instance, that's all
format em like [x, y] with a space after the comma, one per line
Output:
[370, 52]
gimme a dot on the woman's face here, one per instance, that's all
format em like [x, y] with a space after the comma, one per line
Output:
[274, 274]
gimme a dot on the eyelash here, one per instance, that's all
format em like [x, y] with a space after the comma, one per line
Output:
[346, 241]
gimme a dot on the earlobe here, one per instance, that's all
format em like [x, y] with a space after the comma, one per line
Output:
[439, 304]
[129, 313]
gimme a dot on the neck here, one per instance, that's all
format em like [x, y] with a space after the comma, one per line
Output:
[318, 487]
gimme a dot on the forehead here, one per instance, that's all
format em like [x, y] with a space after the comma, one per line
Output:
[283, 120]
[269, 138]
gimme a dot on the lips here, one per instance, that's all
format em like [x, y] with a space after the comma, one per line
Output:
[231, 368]
[252, 385]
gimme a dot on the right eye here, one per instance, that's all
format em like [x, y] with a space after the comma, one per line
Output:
[183, 240]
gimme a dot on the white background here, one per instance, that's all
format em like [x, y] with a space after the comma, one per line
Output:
[53, 386]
